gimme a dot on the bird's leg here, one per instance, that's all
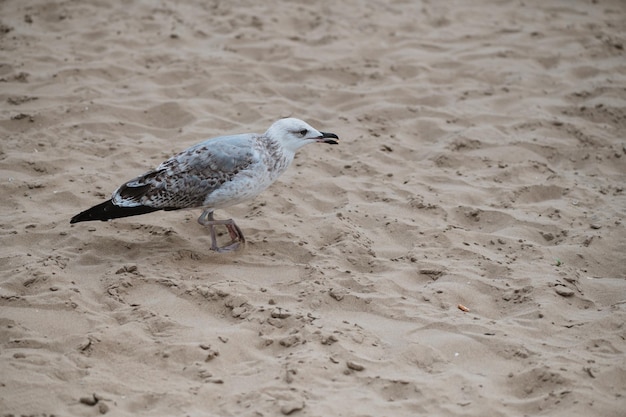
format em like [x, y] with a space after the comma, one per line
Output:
[236, 236]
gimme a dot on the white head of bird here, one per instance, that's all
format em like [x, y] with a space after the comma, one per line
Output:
[293, 134]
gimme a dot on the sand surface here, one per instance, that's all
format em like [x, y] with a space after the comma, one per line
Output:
[482, 162]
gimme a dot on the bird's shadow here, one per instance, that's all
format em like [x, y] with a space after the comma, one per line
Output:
[133, 241]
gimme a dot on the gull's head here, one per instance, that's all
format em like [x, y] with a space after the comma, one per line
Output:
[294, 134]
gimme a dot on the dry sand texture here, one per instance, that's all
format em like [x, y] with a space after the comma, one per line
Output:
[482, 163]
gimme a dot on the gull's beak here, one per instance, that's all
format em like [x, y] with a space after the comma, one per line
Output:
[330, 138]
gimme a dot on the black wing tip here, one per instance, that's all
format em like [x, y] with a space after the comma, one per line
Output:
[97, 212]
[83, 217]
[107, 211]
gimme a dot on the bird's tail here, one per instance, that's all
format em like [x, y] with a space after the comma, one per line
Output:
[108, 210]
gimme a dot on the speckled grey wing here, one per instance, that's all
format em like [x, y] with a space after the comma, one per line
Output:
[185, 180]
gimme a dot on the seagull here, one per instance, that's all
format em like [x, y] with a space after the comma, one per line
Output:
[213, 174]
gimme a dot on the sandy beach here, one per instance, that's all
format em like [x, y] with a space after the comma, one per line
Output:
[461, 252]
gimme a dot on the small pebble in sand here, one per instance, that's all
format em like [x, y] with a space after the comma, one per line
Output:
[279, 313]
[131, 269]
[563, 291]
[290, 340]
[278, 323]
[240, 312]
[289, 373]
[85, 344]
[355, 366]
[336, 294]
[329, 340]
[90, 400]
[212, 354]
[103, 408]
[289, 407]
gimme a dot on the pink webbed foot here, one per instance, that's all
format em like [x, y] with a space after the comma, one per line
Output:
[236, 236]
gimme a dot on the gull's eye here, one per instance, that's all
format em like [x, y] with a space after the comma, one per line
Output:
[303, 132]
